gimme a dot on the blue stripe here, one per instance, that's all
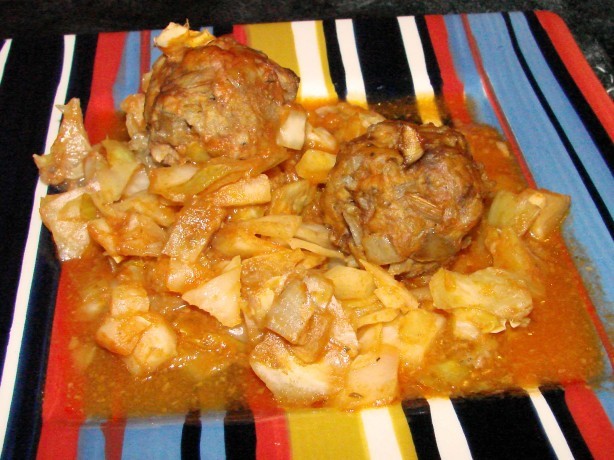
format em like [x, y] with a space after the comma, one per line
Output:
[155, 52]
[212, 444]
[605, 394]
[155, 438]
[575, 130]
[572, 90]
[129, 75]
[543, 150]
[91, 445]
[468, 73]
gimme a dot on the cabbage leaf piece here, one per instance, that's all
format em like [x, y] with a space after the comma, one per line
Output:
[62, 215]
[290, 379]
[65, 159]
[220, 296]
[490, 291]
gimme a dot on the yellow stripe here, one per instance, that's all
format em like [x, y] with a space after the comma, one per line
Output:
[428, 110]
[326, 434]
[276, 41]
[334, 97]
[403, 434]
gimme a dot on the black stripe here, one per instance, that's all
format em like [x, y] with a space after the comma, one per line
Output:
[25, 423]
[222, 29]
[240, 435]
[556, 400]
[27, 92]
[81, 74]
[383, 62]
[502, 427]
[582, 107]
[190, 436]
[25, 418]
[418, 415]
[335, 62]
[573, 154]
[432, 66]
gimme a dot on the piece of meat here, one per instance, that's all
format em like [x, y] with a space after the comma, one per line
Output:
[220, 99]
[404, 195]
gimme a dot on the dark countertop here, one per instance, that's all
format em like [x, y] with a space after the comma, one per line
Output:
[590, 21]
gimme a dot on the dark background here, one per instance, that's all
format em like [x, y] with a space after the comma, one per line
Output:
[590, 21]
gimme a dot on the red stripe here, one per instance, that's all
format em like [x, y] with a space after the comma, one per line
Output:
[101, 115]
[453, 89]
[578, 68]
[113, 431]
[273, 435]
[58, 440]
[240, 34]
[592, 421]
[62, 416]
[145, 52]
[271, 422]
[492, 98]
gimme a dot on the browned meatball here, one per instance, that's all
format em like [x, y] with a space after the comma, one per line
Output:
[220, 99]
[404, 195]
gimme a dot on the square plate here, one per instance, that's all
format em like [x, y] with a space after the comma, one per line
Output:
[519, 72]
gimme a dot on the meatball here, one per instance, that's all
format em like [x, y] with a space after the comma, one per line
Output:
[404, 195]
[219, 99]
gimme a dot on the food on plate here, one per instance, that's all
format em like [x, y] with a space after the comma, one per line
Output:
[239, 247]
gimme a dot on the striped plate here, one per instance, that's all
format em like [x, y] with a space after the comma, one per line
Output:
[520, 72]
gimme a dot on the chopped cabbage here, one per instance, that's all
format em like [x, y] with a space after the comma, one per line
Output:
[293, 381]
[292, 130]
[491, 290]
[350, 283]
[372, 379]
[65, 160]
[157, 345]
[62, 215]
[220, 296]
[291, 311]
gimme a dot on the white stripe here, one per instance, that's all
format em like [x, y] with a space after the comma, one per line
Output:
[417, 66]
[356, 93]
[415, 56]
[449, 435]
[550, 425]
[4, 54]
[313, 85]
[13, 349]
[380, 435]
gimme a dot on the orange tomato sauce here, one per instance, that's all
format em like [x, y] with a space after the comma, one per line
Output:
[559, 345]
